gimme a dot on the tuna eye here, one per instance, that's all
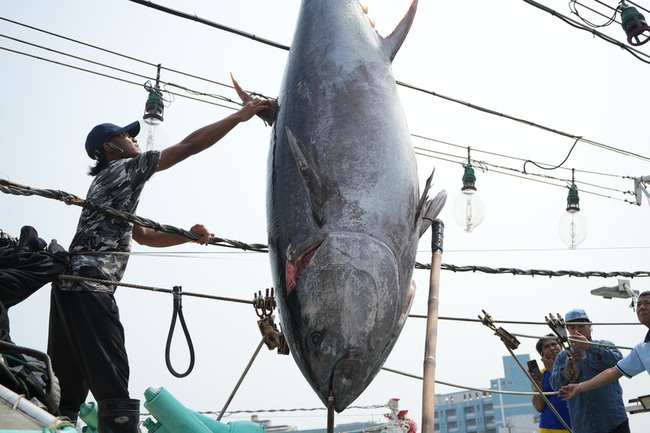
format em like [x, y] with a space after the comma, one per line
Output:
[316, 339]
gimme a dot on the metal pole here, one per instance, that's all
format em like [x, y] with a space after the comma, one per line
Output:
[241, 379]
[431, 338]
[330, 413]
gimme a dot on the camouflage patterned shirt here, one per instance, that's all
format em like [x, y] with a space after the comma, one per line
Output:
[117, 186]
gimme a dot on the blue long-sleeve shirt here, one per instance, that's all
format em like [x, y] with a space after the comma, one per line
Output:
[600, 410]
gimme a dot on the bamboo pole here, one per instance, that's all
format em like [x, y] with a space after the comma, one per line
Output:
[429, 375]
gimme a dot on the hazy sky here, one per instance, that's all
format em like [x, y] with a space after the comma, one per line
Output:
[506, 56]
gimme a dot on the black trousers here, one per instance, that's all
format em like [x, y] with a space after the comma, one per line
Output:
[86, 346]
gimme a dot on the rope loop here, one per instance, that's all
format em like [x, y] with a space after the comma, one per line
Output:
[178, 312]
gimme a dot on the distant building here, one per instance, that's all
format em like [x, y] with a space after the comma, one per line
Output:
[486, 412]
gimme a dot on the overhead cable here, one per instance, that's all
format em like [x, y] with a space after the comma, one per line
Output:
[636, 53]
[526, 122]
[107, 76]
[469, 105]
[476, 107]
[210, 23]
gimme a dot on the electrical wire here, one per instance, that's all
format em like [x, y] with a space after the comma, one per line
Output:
[610, 20]
[228, 100]
[258, 39]
[636, 53]
[108, 76]
[277, 45]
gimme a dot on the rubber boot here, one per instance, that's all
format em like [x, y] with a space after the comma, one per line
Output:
[118, 415]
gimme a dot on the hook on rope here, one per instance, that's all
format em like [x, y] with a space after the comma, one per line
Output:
[178, 312]
[558, 326]
[273, 337]
[508, 339]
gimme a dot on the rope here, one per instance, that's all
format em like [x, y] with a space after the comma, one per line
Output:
[235, 412]
[535, 272]
[152, 289]
[493, 391]
[178, 311]
[16, 189]
[516, 322]
[70, 199]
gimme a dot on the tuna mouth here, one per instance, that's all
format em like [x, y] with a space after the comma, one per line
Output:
[295, 268]
[347, 372]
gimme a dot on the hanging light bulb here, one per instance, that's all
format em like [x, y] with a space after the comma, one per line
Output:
[156, 135]
[469, 208]
[573, 225]
[635, 26]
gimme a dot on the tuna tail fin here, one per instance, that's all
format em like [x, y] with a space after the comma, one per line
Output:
[393, 42]
[268, 115]
[315, 189]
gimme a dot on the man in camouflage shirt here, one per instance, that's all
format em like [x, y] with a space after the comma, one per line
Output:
[86, 337]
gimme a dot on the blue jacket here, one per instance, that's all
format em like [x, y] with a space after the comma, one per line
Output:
[600, 410]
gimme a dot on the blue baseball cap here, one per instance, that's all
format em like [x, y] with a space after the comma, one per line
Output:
[100, 134]
[577, 315]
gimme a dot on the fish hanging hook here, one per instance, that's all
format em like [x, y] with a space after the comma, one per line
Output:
[273, 337]
[558, 326]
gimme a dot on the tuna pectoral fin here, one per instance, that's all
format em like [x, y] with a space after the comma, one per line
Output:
[393, 42]
[431, 210]
[315, 189]
[428, 210]
[268, 115]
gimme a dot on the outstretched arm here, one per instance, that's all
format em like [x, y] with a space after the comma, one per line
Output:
[152, 238]
[605, 377]
[205, 137]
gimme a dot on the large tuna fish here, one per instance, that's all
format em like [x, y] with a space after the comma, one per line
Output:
[343, 204]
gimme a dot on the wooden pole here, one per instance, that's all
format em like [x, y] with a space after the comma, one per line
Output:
[330, 413]
[429, 375]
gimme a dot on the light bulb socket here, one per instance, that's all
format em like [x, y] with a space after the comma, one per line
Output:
[154, 108]
[572, 200]
[634, 24]
[469, 179]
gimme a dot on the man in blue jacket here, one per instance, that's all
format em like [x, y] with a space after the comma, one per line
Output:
[600, 410]
[634, 363]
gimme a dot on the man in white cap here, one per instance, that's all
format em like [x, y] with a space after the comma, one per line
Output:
[634, 363]
[597, 411]
[86, 338]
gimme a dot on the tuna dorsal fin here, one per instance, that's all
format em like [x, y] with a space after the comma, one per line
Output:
[393, 42]
[315, 189]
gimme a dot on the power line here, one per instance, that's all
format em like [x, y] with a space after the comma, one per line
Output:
[228, 100]
[462, 160]
[636, 53]
[486, 110]
[106, 75]
[210, 23]
[406, 85]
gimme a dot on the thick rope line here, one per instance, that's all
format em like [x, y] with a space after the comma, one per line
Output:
[12, 188]
[535, 272]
